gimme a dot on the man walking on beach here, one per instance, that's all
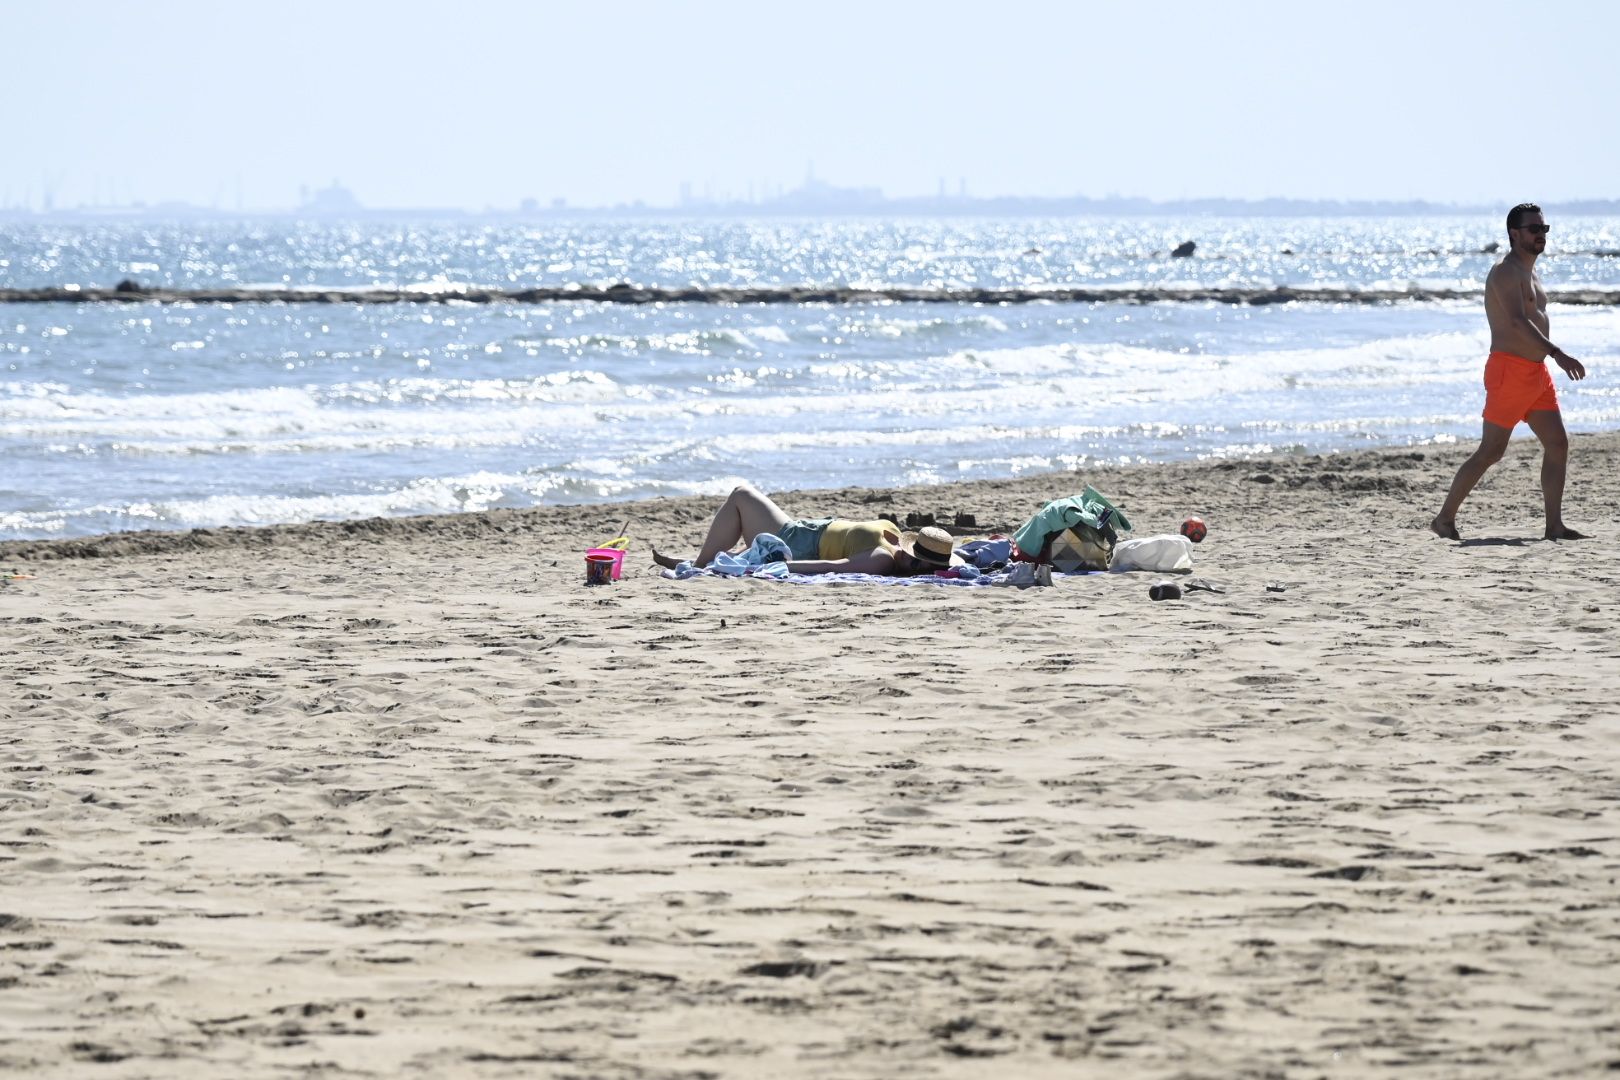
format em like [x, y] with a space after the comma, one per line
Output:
[1518, 385]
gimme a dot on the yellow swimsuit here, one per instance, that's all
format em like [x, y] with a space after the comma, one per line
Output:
[843, 539]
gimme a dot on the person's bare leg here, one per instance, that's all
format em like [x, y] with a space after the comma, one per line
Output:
[1493, 443]
[1549, 428]
[745, 514]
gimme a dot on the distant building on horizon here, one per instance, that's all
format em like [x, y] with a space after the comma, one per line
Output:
[818, 196]
[332, 201]
[814, 197]
[337, 201]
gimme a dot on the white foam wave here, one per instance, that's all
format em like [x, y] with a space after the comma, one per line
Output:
[896, 327]
[429, 495]
[573, 386]
[706, 342]
[903, 395]
[352, 416]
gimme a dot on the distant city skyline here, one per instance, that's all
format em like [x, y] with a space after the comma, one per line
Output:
[815, 197]
[410, 105]
[813, 193]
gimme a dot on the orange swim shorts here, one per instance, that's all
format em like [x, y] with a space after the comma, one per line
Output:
[1515, 388]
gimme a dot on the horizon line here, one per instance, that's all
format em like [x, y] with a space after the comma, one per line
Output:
[822, 201]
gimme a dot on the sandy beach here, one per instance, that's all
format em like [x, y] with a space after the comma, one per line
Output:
[405, 797]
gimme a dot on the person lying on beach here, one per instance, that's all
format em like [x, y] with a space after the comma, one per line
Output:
[821, 545]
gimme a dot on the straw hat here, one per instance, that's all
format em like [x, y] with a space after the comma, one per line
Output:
[931, 546]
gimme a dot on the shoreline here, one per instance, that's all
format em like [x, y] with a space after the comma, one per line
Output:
[407, 796]
[1003, 503]
[939, 499]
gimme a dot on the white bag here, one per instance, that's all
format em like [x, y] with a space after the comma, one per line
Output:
[1167, 554]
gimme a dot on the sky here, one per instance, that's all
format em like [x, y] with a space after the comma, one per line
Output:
[482, 104]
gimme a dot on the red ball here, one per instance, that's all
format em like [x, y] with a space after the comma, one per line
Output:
[1194, 529]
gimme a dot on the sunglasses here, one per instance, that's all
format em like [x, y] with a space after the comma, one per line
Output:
[1539, 230]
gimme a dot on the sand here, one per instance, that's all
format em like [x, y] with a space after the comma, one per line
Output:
[406, 798]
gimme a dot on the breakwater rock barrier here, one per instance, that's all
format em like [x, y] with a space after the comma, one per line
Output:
[130, 293]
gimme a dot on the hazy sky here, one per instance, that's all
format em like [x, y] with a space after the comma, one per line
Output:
[481, 103]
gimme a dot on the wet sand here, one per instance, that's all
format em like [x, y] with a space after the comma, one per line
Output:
[406, 798]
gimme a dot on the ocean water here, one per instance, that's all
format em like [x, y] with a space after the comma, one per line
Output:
[153, 416]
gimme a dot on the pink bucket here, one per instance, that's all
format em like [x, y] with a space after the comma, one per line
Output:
[616, 554]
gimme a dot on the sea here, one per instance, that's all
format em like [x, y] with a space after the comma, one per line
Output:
[175, 416]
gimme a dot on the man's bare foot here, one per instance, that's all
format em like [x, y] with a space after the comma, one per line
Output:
[1564, 532]
[664, 560]
[1445, 528]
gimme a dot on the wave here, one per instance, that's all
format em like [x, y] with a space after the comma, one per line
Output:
[943, 326]
[910, 393]
[686, 342]
[429, 495]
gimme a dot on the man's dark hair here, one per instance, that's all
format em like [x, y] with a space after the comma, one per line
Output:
[1516, 214]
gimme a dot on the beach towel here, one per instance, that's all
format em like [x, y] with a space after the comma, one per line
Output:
[1016, 575]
